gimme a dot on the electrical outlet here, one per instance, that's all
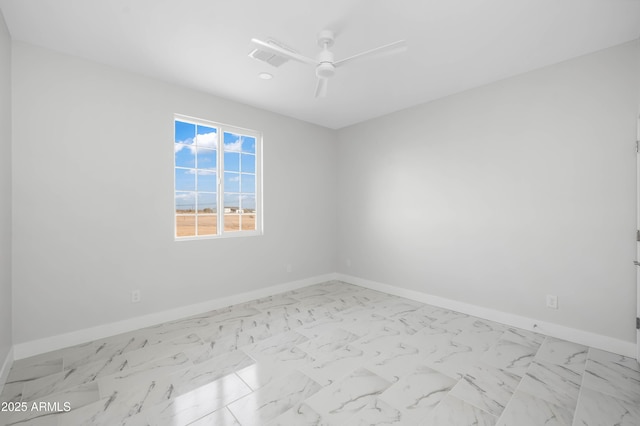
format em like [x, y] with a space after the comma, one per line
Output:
[289, 267]
[552, 301]
[135, 296]
[348, 262]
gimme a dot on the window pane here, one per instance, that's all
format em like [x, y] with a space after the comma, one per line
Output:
[185, 226]
[248, 221]
[231, 210]
[184, 155]
[207, 203]
[185, 180]
[232, 142]
[248, 163]
[199, 205]
[248, 203]
[207, 225]
[231, 182]
[184, 132]
[248, 183]
[231, 203]
[249, 144]
[231, 222]
[232, 161]
[185, 202]
[207, 137]
[207, 181]
[206, 158]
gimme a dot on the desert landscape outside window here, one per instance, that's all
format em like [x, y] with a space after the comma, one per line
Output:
[216, 179]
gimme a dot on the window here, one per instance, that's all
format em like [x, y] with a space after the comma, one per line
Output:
[217, 179]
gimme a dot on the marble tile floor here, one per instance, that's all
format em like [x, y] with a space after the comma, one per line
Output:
[328, 354]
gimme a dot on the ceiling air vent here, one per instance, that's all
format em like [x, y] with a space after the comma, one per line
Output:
[269, 57]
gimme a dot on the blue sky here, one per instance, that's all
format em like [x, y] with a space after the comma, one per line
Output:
[197, 145]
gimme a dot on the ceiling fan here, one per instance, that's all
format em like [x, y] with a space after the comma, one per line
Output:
[324, 63]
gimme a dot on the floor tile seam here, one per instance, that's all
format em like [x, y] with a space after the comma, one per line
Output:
[582, 386]
[481, 408]
[562, 407]
[226, 407]
[208, 414]
[243, 381]
[562, 392]
[472, 404]
[55, 383]
[515, 391]
[227, 404]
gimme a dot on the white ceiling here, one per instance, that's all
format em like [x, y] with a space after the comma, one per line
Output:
[454, 45]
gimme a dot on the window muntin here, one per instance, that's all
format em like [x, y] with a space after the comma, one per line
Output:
[217, 185]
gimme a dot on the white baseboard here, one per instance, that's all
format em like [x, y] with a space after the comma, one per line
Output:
[4, 370]
[36, 347]
[47, 344]
[582, 337]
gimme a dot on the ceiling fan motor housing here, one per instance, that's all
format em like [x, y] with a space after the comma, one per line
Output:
[325, 70]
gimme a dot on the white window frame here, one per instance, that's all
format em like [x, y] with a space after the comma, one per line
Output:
[221, 129]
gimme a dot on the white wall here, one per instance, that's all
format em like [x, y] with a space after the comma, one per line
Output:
[496, 197]
[5, 193]
[93, 201]
[502, 194]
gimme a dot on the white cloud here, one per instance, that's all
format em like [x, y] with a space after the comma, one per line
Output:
[177, 147]
[207, 140]
[234, 146]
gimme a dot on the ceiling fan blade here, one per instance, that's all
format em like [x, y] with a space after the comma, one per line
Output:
[387, 49]
[321, 88]
[277, 50]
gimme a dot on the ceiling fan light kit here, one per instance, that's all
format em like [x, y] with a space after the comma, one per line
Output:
[325, 63]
